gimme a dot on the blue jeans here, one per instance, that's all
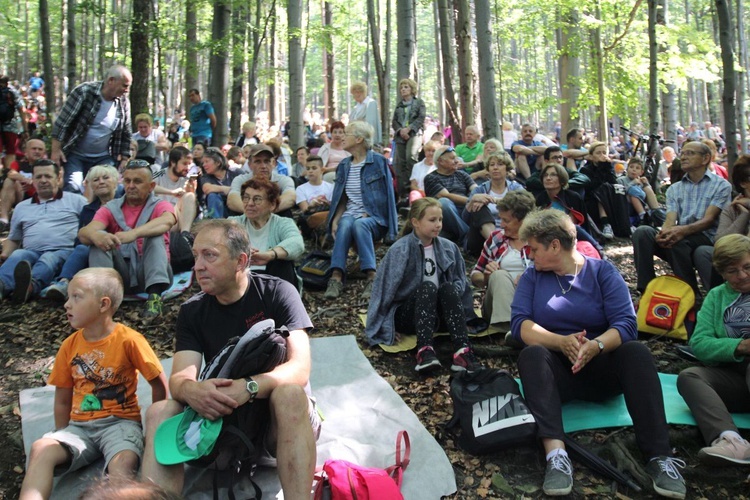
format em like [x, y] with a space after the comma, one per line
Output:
[78, 260]
[216, 206]
[363, 231]
[77, 166]
[44, 267]
[454, 228]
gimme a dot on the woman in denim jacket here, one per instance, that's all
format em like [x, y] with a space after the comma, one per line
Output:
[363, 207]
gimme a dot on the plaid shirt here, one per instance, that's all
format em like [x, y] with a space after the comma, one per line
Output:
[495, 248]
[690, 200]
[78, 113]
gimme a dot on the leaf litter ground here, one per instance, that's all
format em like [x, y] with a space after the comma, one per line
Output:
[31, 334]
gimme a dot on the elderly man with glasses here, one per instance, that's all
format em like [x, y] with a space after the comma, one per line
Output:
[693, 208]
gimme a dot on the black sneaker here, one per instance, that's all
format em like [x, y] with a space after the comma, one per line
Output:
[464, 360]
[427, 361]
[24, 286]
[4, 227]
[667, 480]
[558, 476]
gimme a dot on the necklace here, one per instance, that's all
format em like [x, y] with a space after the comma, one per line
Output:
[564, 291]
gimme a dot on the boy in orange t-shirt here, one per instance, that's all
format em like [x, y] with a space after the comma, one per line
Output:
[96, 374]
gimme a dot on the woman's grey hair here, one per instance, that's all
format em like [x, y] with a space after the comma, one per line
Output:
[546, 226]
[100, 170]
[363, 130]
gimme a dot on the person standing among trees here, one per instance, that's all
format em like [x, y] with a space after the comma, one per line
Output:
[12, 121]
[407, 124]
[366, 110]
[202, 119]
[93, 127]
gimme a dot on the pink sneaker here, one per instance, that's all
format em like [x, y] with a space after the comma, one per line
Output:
[726, 451]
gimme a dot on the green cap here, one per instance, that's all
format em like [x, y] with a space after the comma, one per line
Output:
[185, 437]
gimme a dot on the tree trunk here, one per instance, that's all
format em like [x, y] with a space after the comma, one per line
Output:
[668, 108]
[653, 82]
[140, 43]
[381, 69]
[47, 57]
[296, 75]
[438, 65]
[71, 23]
[726, 40]
[463, 42]
[446, 49]
[490, 120]
[568, 64]
[218, 68]
[598, 54]
[407, 39]
[741, 76]
[238, 63]
[329, 68]
[191, 51]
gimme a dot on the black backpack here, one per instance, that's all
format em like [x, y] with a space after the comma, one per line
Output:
[491, 413]
[7, 105]
[259, 350]
[315, 270]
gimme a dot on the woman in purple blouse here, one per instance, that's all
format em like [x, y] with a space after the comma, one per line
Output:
[576, 318]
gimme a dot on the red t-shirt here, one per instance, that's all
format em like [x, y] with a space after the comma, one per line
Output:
[27, 171]
[131, 215]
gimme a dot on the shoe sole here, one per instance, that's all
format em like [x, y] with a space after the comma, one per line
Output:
[559, 492]
[667, 493]
[432, 367]
[22, 276]
[720, 460]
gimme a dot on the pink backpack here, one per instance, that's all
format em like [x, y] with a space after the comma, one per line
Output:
[342, 480]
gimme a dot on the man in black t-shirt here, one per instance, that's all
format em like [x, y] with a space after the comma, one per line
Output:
[231, 301]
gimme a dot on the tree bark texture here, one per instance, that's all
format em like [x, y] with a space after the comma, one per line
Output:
[218, 68]
[407, 39]
[490, 119]
[140, 46]
[191, 51]
[381, 69]
[71, 45]
[447, 51]
[296, 75]
[329, 68]
[653, 76]
[726, 40]
[568, 65]
[465, 77]
[47, 55]
[238, 63]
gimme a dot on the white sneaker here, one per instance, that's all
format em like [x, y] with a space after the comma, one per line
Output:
[607, 232]
[726, 451]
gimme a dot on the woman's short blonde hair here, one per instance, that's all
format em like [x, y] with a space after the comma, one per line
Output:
[411, 83]
[598, 144]
[502, 157]
[729, 250]
[248, 126]
[144, 117]
[546, 226]
[358, 87]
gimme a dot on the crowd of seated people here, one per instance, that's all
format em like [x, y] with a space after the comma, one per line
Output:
[536, 216]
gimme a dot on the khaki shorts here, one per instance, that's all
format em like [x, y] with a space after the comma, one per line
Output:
[89, 441]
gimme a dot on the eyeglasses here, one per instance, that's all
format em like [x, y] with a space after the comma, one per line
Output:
[551, 176]
[735, 271]
[257, 200]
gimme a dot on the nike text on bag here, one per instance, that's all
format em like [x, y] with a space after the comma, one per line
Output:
[666, 308]
[491, 413]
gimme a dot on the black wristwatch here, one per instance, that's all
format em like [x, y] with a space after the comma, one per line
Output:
[252, 387]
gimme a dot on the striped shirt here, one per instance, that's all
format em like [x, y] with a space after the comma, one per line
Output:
[354, 204]
[78, 114]
[690, 200]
